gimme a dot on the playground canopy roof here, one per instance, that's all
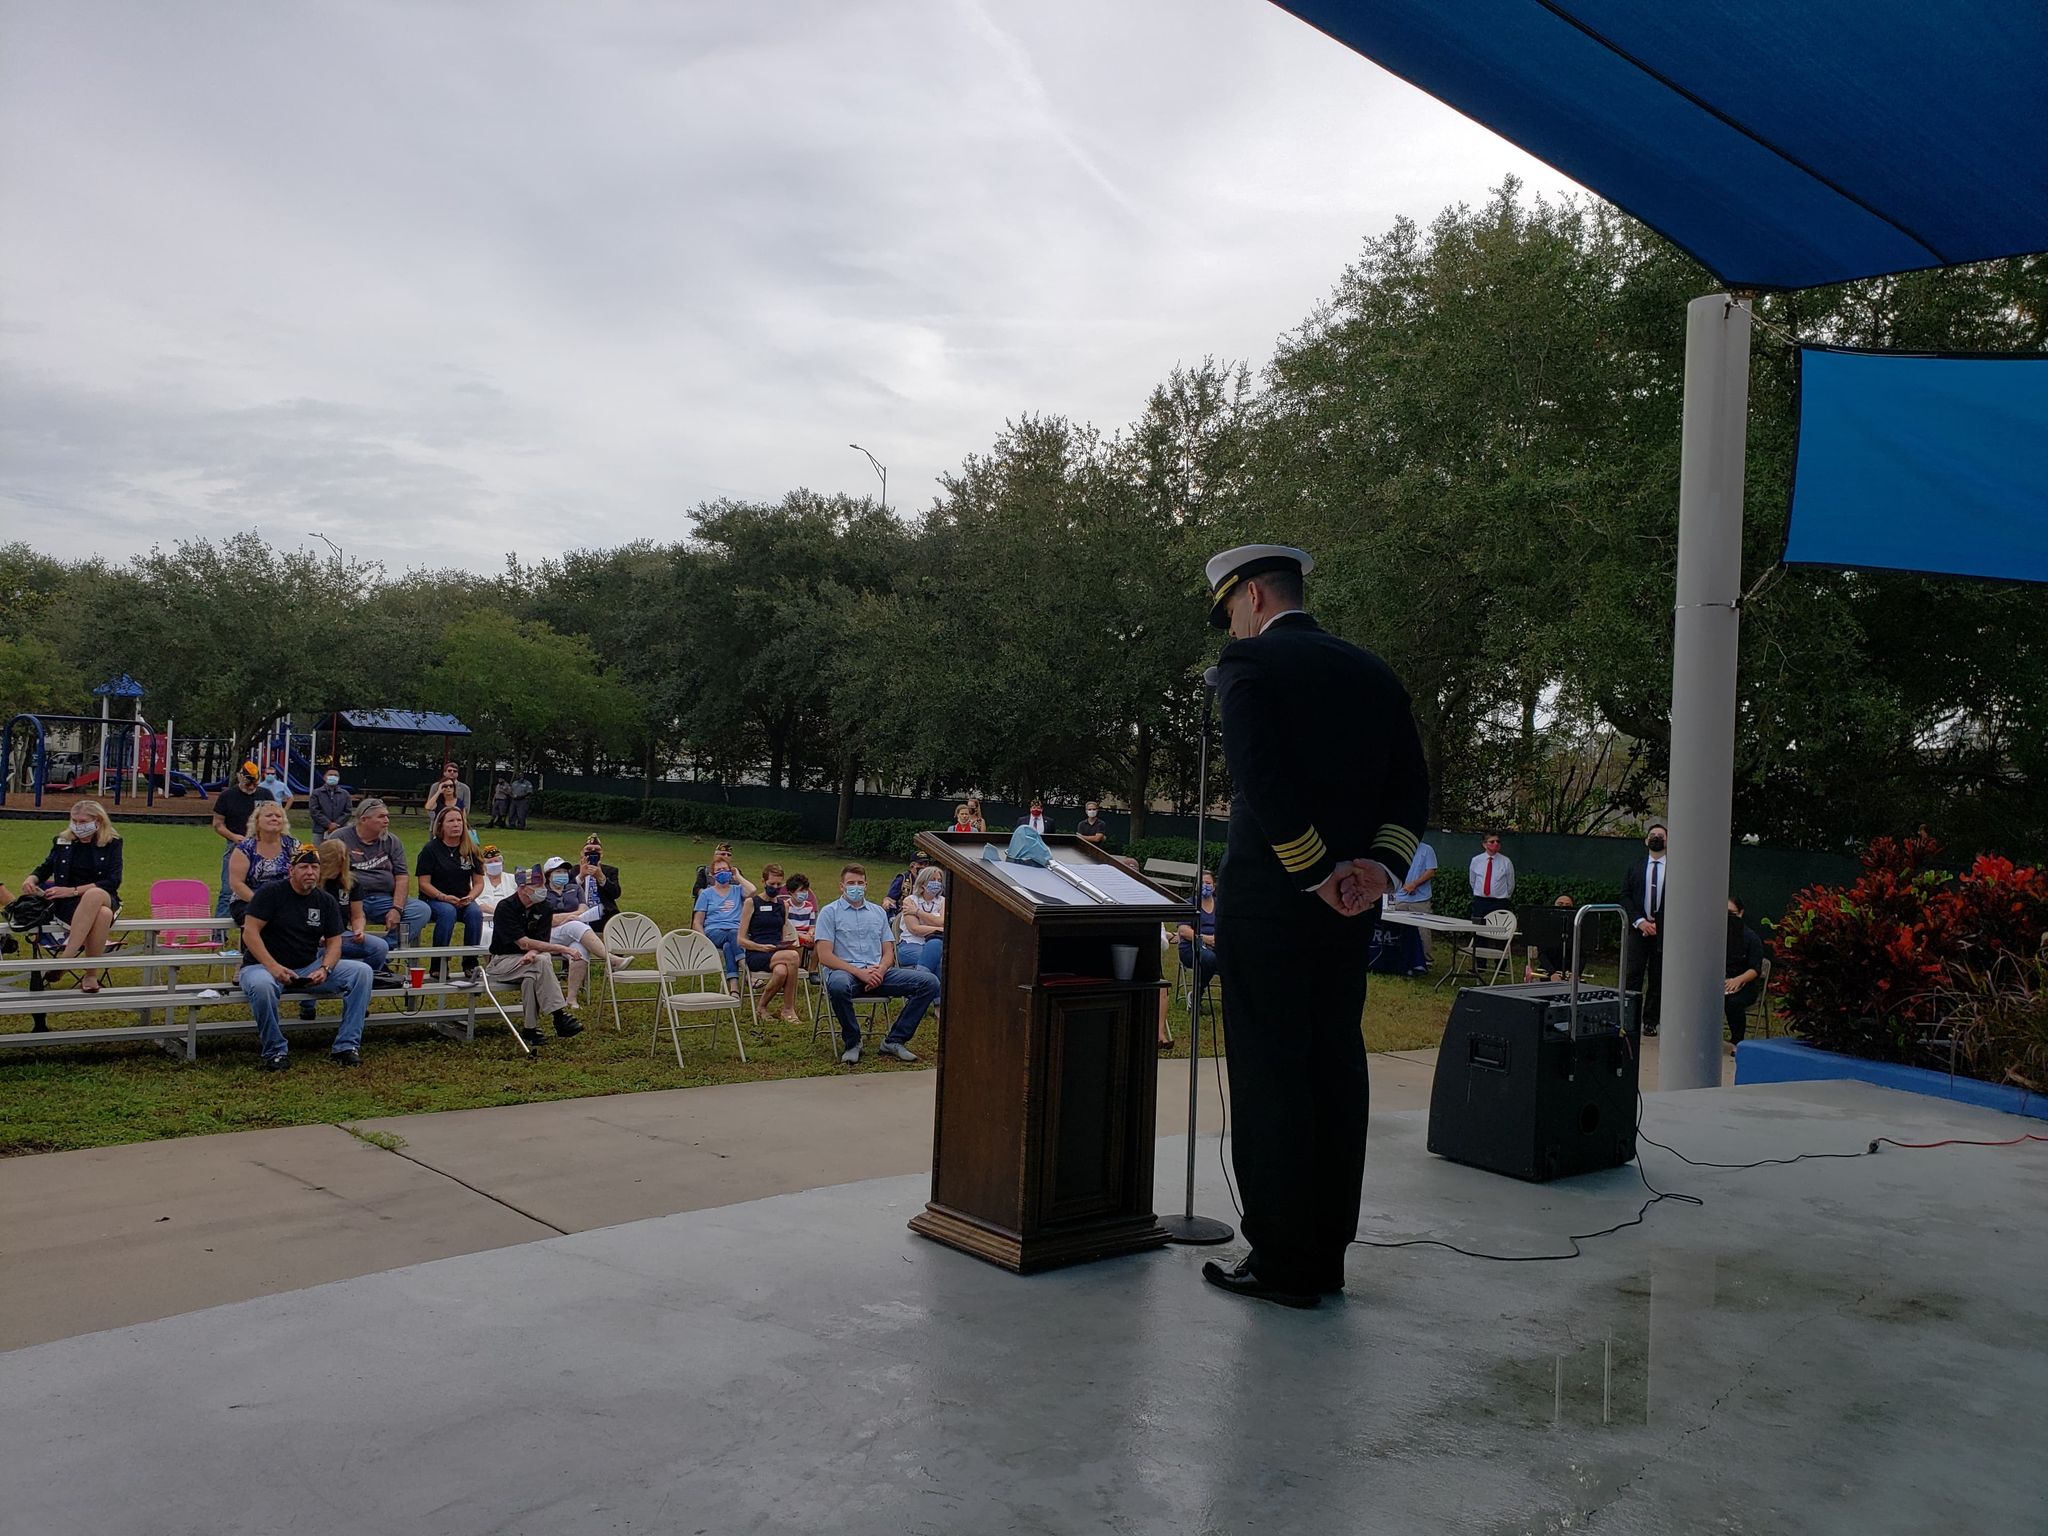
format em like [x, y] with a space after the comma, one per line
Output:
[1782, 146]
[122, 687]
[402, 722]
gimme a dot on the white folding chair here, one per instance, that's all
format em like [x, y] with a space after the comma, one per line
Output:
[687, 961]
[873, 1012]
[1497, 946]
[631, 936]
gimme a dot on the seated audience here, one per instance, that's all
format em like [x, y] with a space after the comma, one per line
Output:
[1745, 970]
[377, 866]
[523, 947]
[802, 906]
[498, 884]
[903, 884]
[766, 943]
[859, 960]
[291, 941]
[81, 879]
[720, 906]
[571, 919]
[451, 875]
[329, 806]
[231, 808]
[262, 857]
[598, 882]
[357, 942]
[1554, 959]
[1201, 964]
[921, 940]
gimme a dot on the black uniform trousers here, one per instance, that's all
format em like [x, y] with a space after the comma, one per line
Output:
[1293, 994]
[1646, 975]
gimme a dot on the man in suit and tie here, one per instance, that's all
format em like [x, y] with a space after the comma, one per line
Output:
[1642, 899]
[1492, 875]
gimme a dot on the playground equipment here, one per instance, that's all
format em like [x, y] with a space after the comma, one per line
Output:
[130, 756]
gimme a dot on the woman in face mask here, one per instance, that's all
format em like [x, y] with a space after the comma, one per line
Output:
[1200, 962]
[922, 940]
[765, 941]
[573, 928]
[720, 906]
[81, 879]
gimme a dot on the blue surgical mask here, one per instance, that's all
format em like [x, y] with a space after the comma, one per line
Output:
[856, 893]
[559, 881]
[85, 831]
[1208, 891]
[494, 866]
[723, 877]
[931, 887]
[333, 778]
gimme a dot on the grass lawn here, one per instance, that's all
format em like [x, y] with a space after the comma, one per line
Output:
[97, 1095]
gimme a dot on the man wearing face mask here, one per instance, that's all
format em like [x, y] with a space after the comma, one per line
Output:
[599, 884]
[522, 949]
[859, 960]
[1642, 899]
[1330, 795]
[1093, 828]
[329, 806]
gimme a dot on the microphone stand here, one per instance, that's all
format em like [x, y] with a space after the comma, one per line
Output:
[1187, 1227]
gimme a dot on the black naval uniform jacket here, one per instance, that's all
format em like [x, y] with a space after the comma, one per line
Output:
[1325, 764]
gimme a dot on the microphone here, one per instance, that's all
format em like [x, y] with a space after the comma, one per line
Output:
[1212, 678]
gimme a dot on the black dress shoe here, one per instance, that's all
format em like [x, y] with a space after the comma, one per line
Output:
[1240, 1281]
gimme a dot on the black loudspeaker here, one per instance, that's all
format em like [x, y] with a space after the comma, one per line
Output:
[1523, 1089]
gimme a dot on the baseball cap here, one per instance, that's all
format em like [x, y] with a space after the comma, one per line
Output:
[306, 854]
[529, 877]
[553, 865]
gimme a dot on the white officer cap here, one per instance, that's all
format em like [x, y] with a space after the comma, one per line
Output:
[1226, 570]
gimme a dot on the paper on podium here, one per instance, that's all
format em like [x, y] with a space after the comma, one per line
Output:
[1117, 883]
[1040, 884]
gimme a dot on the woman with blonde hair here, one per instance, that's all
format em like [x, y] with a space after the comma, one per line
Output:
[357, 942]
[81, 879]
[261, 857]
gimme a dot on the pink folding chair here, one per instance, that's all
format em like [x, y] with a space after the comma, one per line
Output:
[182, 898]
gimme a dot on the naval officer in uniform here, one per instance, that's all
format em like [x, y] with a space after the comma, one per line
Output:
[1329, 799]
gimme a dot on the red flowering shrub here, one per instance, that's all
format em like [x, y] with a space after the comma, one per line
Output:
[1877, 969]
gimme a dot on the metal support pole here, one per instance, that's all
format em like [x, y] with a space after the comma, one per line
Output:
[1187, 1227]
[1705, 629]
[170, 743]
[99, 786]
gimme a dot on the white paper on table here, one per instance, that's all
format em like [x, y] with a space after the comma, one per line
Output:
[1118, 884]
[1041, 884]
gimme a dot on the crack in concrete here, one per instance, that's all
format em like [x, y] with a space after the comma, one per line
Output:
[454, 1179]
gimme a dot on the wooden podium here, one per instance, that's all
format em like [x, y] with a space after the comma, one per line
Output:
[1048, 1065]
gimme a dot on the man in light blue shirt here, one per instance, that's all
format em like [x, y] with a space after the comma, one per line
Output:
[1415, 892]
[857, 952]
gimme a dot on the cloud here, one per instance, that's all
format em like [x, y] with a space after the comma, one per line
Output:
[445, 281]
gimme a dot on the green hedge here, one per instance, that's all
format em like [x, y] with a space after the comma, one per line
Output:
[1179, 849]
[1453, 894]
[694, 816]
[880, 837]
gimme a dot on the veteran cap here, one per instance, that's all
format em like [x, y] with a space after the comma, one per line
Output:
[1233, 566]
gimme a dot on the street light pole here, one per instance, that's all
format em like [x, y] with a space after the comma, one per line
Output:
[880, 469]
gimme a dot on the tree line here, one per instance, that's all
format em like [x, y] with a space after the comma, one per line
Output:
[1477, 435]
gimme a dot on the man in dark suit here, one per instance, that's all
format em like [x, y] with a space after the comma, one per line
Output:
[1330, 796]
[1642, 899]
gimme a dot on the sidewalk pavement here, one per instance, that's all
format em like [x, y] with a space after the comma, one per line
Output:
[111, 1236]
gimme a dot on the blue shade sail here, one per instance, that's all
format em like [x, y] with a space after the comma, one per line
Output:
[1782, 144]
[1912, 462]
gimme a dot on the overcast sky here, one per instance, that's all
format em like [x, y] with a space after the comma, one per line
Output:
[443, 279]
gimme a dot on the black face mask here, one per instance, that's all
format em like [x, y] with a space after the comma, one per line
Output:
[1656, 844]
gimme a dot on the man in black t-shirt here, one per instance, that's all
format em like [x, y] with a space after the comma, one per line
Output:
[1093, 828]
[522, 947]
[291, 939]
[231, 808]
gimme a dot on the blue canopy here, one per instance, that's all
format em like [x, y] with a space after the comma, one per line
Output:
[1782, 145]
[1913, 462]
[403, 722]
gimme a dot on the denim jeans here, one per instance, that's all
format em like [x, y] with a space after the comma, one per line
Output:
[919, 988]
[376, 908]
[727, 943]
[350, 980]
[925, 954]
[220, 905]
[371, 949]
[445, 913]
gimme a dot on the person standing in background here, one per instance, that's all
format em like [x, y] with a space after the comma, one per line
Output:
[329, 806]
[1642, 900]
[522, 793]
[1492, 874]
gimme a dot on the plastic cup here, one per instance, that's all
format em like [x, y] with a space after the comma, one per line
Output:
[1123, 961]
[419, 975]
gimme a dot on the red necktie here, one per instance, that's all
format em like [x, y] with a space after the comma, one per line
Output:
[1487, 890]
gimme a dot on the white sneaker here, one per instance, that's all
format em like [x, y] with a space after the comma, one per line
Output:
[850, 1057]
[900, 1052]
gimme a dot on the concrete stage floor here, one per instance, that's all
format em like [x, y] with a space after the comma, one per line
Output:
[1829, 1347]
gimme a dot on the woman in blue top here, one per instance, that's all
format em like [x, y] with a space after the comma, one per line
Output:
[720, 906]
[261, 857]
[1204, 966]
[81, 879]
